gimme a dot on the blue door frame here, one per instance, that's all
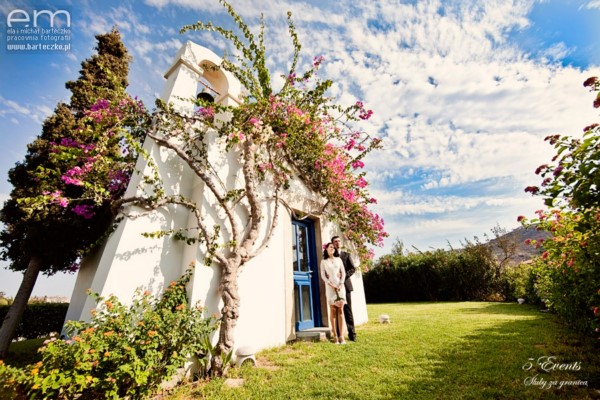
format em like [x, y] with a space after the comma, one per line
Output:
[306, 275]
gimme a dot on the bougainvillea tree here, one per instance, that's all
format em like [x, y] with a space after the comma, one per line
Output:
[55, 212]
[295, 133]
[569, 268]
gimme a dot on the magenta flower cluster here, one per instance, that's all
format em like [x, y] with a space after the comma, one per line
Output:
[104, 109]
[84, 210]
[75, 175]
[98, 158]
[363, 113]
[57, 197]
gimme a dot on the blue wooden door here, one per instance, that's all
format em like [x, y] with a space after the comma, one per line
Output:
[306, 279]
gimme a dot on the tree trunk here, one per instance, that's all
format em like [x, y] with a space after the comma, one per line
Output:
[230, 313]
[16, 310]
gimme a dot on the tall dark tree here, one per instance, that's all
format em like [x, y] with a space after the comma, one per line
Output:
[52, 237]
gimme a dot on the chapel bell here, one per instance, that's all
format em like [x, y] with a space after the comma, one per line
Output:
[206, 95]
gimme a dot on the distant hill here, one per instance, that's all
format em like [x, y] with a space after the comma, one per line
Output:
[517, 237]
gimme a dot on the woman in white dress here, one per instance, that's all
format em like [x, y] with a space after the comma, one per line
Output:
[333, 274]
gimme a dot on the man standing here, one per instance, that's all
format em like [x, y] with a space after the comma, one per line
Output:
[350, 269]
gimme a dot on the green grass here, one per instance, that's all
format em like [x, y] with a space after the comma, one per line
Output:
[24, 352]
[468, 350]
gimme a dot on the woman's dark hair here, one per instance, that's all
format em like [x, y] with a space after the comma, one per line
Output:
[326, 255]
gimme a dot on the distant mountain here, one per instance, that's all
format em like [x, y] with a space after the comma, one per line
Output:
[522, 252]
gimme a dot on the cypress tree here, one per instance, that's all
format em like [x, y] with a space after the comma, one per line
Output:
[52, 238]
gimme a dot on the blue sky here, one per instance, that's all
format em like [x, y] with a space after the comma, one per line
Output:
[463, 93]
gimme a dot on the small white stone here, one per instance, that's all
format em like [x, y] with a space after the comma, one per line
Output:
[245, 354]
[384, 319]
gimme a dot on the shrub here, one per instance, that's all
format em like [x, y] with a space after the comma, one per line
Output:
[39, 319]
[470, 273]
[518, 281]
[122, 352]
[465, 274]
[569, 268]
[568, 272]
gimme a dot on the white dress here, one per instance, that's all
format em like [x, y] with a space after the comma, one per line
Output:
[332, 271]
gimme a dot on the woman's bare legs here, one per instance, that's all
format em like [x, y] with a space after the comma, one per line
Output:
[341, 324]
[332, 321]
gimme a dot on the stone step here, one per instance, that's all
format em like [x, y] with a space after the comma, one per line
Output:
[314, 335]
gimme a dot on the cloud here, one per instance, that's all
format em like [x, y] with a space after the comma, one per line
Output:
[13, 106]
[462, 109]
[433, 221]
[44, 110]
[61, 67]
[35, 112]
[128, 20]
[95, 24]
[154, 49]
[302, 11]
[6, 7]
[557, 51]
[593, 4]
[125, 18]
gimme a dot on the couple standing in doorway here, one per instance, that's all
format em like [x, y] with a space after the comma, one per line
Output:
[336, 269]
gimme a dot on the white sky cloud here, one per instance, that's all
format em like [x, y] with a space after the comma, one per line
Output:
[593, 4]
[12, 106]
[456, 101]
[44, 110]
[302, 11]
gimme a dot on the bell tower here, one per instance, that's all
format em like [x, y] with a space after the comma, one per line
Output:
[128, 260]
[195, 73]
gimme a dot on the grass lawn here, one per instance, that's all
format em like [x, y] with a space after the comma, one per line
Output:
[22, 353]
[468, 350]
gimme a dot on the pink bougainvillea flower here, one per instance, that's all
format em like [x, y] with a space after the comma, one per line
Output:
[358, 164]
[360, 182]
[317, 60]
[84, 210]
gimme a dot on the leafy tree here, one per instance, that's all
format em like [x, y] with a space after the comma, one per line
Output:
[569, 268]
[503, 246]
[50, 219]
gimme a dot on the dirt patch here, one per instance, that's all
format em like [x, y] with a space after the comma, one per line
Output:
[234, 383]
[266, 364]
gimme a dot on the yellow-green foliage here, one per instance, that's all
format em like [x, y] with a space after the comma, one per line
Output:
[122, 352]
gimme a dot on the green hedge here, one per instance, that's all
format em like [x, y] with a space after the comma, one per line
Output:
[455, 275]
[39, 319]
